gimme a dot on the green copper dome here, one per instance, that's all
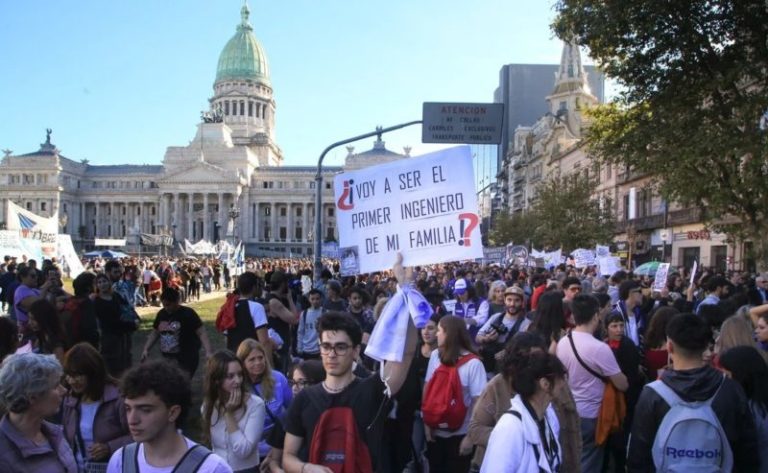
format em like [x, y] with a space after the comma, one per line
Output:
[243, 58]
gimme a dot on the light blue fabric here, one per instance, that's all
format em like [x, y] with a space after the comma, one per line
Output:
[387, 341]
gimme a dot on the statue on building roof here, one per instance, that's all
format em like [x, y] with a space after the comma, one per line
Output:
[48, 132]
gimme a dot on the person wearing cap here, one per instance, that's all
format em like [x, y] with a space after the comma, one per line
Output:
[471, 308]
[502, 326]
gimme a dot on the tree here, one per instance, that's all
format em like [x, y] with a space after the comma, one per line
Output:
[516, 228]
[566, 215]
[694, 86]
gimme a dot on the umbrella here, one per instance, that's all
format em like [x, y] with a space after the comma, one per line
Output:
[105, 254]
[647, 269]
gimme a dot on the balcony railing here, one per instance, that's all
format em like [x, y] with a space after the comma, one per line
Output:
[649, 222]
[684, 216]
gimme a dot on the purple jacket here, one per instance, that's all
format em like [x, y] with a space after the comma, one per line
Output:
[110, 426]
[20, 455]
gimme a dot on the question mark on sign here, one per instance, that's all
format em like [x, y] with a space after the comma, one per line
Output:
[466, 232]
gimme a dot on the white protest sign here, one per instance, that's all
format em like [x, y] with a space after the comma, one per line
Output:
[583, 258]
[73, 265]
[609, 265]
[423, 207]
[553, 258]
[450, 305]
[693, 272]
[601, 250]
[660, 280]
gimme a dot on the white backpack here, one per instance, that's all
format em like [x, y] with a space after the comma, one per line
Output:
[690, 437]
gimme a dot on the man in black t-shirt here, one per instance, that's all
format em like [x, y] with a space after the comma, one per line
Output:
[180, 331]
[340, 341]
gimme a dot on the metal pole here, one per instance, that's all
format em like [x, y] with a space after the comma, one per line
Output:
[318, 267]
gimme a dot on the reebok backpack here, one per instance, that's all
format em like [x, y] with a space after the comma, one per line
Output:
[690, 437]
[337, 443]
[443, 405]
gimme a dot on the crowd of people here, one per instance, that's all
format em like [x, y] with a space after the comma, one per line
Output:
[494, 369]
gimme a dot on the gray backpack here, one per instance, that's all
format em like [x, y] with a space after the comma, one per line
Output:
[690, 437]
[189, 463]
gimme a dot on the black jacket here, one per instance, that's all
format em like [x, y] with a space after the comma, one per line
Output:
[698, 384]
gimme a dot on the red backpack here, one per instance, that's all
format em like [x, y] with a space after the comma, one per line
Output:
[225, 318]
[337, 444]
[443, 404]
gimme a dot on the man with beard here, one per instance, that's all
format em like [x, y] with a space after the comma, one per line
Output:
[501, 327]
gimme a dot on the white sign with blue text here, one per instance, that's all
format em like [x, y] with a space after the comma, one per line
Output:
[424, 207]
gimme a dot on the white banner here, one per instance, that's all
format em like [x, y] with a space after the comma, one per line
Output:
[68, 257]
[10, 243]
[583, 258]
[601, 250]
[424, 207]
[35, 227]
[660, 280]
[109, 242]
[609, 265]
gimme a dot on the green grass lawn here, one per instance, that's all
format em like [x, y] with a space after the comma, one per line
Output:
[207, 311]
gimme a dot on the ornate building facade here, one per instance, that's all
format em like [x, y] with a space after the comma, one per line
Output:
[233, 160]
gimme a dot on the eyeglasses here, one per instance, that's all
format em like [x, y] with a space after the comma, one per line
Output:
[302, 382]
[340, 349]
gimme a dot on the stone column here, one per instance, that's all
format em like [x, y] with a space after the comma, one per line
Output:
[304, 221]
[273, 221]
[176, 213]
[111, 220]
[243, 222]
[289, 224]
[191, 216]
[97, 230]
[255, 224]
[206, 221]
[221, 218]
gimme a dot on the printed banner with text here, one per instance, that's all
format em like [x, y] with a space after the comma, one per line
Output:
[34, 227]
[424, 207]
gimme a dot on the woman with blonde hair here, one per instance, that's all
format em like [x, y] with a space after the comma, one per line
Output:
[233, 417]
[736, 332]
[496, 297]
[268, 384]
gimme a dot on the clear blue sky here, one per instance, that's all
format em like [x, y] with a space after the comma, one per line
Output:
[118, 82]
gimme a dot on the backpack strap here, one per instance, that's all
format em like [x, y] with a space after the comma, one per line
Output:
[465, 359]
[581, 362]
[131, 458]
[516, 327]
[536, 452]
[672, 398]
[192, 460]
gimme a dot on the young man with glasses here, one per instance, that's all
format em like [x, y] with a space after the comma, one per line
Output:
[340, 341]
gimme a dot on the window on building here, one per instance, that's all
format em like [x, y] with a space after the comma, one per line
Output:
[124, 209]
[298, 211]
[78, 184]
[267, 234]
[242, 108]
[283, 211]
[43, 206]
[312, 185]
[226, 107]
[138, 210]
[65, 207]
[29, 206]
[283, 233]
[152, 210]
[626, 207]
[250, 109]
[327, 185]
[330, 211]
[330, 235]
[267, 210]
[297, 233]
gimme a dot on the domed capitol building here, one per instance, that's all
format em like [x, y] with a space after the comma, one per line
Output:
[233, 160]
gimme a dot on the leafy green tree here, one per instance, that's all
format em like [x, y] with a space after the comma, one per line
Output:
[566, 215]
[693, 83]
[516, 228]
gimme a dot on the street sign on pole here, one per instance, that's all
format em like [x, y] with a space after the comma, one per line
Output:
[464, 123]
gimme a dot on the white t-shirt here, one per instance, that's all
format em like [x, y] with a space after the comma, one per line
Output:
[473, 380]
[258, 314]
[212, 464]
[87, 415]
